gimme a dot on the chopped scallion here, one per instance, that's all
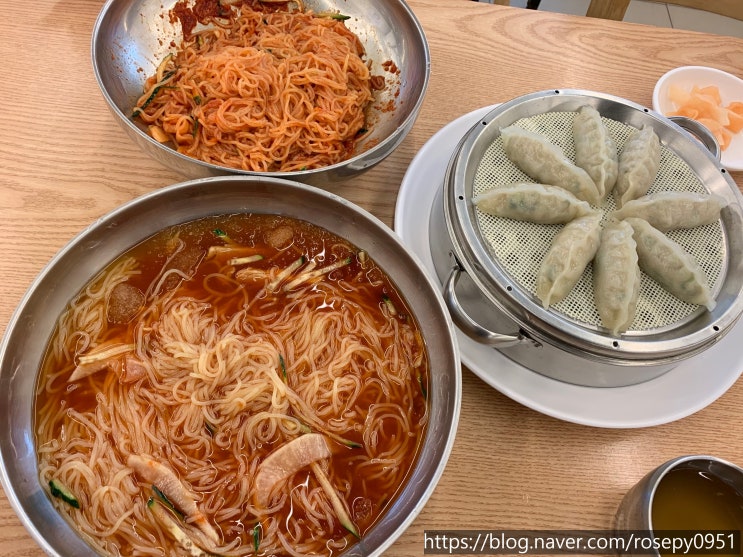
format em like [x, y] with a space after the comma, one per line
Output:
[257, 532]
[282, 364]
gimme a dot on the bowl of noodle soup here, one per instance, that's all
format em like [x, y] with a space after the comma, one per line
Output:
[309, 90]
[261, 368]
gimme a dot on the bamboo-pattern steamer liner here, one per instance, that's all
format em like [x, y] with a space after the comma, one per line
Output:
[521, 246]
[503, 256]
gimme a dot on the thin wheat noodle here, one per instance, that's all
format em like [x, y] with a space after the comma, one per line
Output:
[231, 376]
[262, 92]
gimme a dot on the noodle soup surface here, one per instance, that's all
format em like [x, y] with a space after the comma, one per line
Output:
[244, 384]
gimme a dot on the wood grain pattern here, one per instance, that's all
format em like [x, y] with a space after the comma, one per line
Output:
[65, 163]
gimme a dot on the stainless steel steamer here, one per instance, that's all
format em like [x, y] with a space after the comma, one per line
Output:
[488, 265]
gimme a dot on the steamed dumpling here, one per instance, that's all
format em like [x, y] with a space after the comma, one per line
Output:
[545, 162]
[638, 165]
[570, 253]
[595, 149]
[670, 210]
[616, 277]
[532, 202]
[670, 265]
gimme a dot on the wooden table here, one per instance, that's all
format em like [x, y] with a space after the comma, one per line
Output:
[65, 162]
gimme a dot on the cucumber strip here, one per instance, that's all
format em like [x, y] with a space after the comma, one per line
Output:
[160, 84]
[160, 72]
[282, 364]
[333, 15]
[257, 534]
[296, 264]
[390, 306]
[61, 491]
[165, 501]
[335, 500]
[155, 473]
[166, 520]
[244, 260]
[334, 436]
[309, 275]
[342, 440]
[424, 391]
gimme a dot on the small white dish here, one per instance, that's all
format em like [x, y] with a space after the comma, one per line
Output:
[731, 89]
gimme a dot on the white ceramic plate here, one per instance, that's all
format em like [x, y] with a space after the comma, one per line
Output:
[687, 388]
[731, 89]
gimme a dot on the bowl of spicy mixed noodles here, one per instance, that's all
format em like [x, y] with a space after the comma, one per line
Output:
[262, 368]
[311, 90]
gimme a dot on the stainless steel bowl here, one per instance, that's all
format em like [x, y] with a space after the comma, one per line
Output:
[29, 330]
[635, 513]
[131, 37]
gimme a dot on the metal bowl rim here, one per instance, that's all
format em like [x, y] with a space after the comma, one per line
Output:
[532, 317]
[357, 159]
[453, 411]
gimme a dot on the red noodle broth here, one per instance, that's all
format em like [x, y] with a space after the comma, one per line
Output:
[178, 372]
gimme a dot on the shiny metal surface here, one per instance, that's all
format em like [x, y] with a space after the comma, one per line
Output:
[699, 132]
[635, 511]
[469, 326]
[131, 37]
[572, 351]
[487, 320]
[24, 344]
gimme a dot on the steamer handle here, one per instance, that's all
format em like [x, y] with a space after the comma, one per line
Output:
[468, 326]
[700, 132]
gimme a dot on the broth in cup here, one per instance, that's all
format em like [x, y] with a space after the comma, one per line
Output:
[688, 498]
[698, 500]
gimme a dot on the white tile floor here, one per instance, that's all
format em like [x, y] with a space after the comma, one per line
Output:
[653, 13]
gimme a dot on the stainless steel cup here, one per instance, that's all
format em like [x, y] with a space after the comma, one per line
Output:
[635, 510]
